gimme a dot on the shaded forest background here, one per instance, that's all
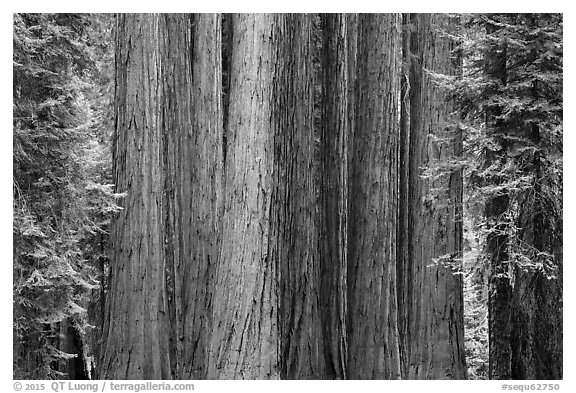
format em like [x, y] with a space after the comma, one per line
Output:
[299, 113]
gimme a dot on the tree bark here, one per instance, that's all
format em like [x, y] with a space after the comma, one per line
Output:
[294, 203]
[404, 267]
[536, 326]
[373, 346]
[334, 192]
[168, 158]
[192, 129]
[352, 43]
[136, 344]
[433, 317]
[266, 303]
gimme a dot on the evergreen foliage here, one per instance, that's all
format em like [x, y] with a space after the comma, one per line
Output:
[509, 99]
[61, 196]
[513, 125]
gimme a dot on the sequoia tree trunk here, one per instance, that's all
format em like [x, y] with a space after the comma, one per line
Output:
[334, 192]
[266, 302]
[192, 130]
[352, 43]
[404, 266]
[135, 341]
[168, 159]
[373, 346]
[432, 287]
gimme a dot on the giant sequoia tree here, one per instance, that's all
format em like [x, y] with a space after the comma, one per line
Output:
[168, 154]
[373, 346]
[137, 305]
[334, 137]
[430, 234]
[267, 319]
[193, 139]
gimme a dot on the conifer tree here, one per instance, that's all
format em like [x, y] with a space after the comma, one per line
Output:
[61, 196]
[510, 97]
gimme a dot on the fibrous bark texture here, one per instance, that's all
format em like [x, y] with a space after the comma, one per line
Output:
[404, 266]
[192, 129]
[244, 343]
[294, 204]
[136, 344]
[238, 255]
[334, 192]
[430, 250]
[168, 159]
[373, 346]
[266, 306]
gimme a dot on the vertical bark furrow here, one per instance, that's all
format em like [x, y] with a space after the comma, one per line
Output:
[294, 199]
[197, 132]
[373, 351]
[334, 192]
[404, 266]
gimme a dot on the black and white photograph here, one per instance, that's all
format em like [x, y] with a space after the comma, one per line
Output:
[287, 196]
